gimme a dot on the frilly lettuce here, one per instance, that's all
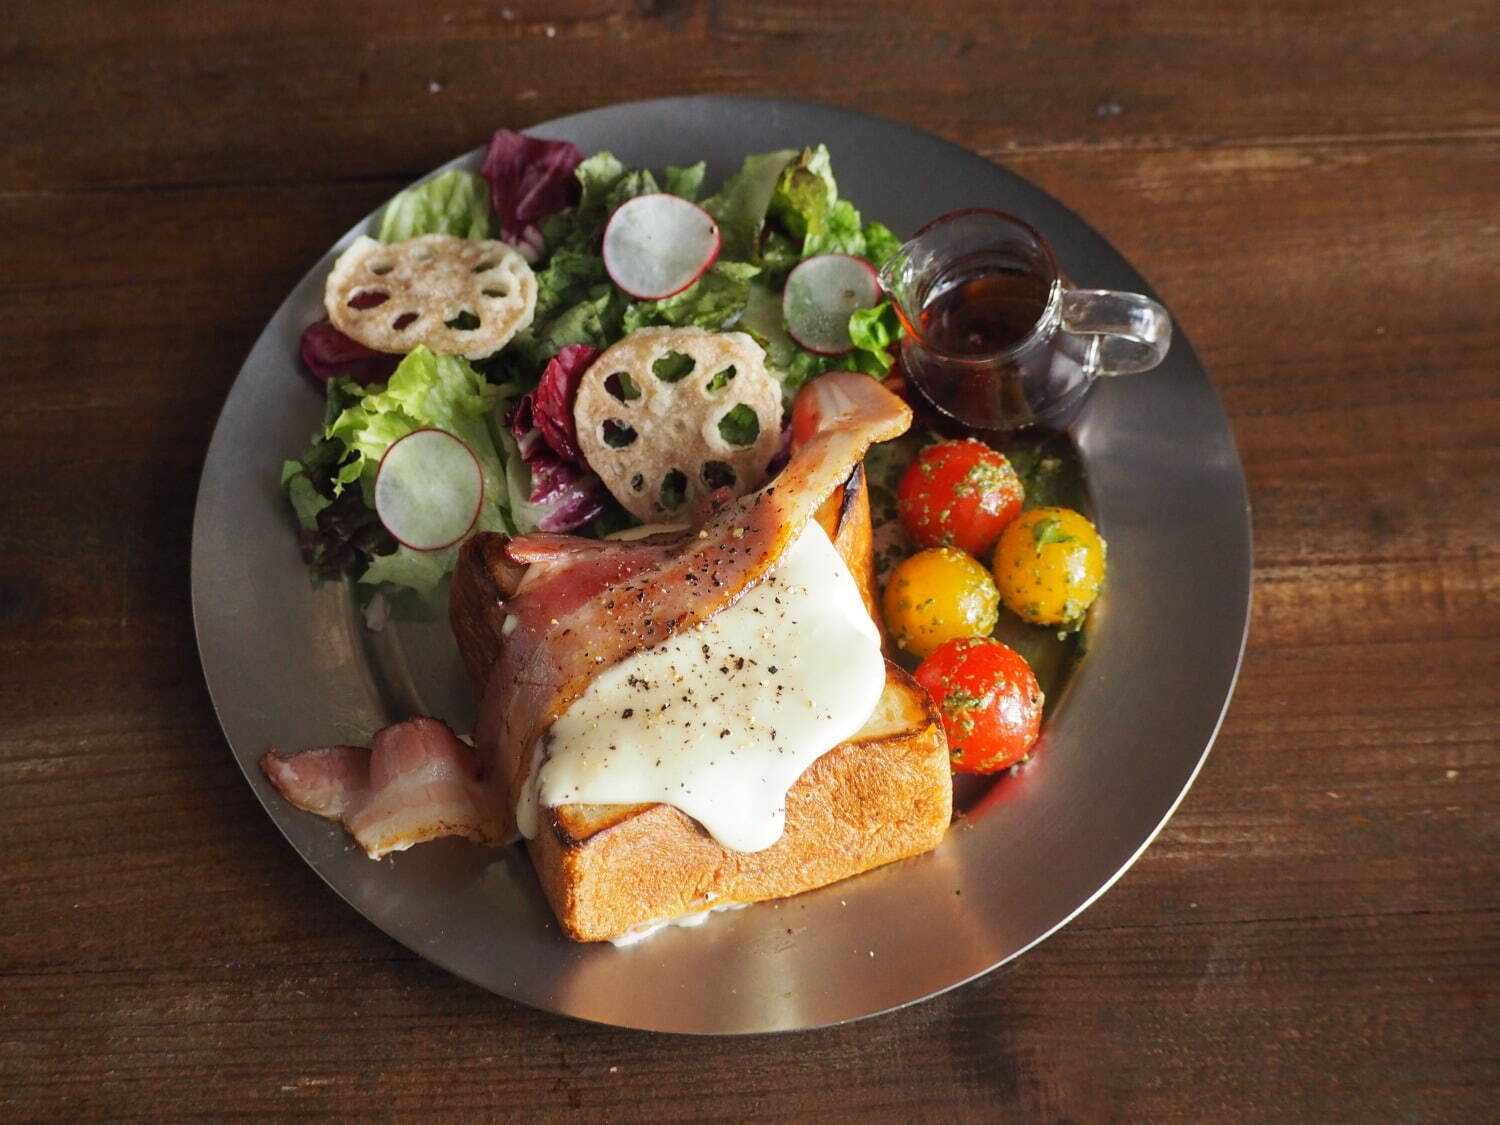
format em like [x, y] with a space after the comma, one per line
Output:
[806, 204]
[454, 203]
[740, 205]
[874, 331]
[686, 182]
[426, 390]
[715, 301]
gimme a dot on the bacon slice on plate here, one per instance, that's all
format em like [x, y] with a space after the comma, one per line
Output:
[417, 783]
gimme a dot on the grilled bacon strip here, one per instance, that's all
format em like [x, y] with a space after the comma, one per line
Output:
[417, 783]
[581, 611]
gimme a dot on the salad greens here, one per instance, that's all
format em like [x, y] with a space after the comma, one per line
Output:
[778, 209]
[513, 409]
[454, 202]
[361, 423]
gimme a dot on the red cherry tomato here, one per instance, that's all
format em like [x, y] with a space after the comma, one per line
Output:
[959, 494]
[989, 699]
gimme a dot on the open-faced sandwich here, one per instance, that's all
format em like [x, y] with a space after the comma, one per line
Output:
[625, 441]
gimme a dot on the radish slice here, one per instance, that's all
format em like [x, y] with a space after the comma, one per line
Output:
[656, 245]
[428, 490]
[820, 295]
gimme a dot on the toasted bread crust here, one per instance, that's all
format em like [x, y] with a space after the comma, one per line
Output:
[882, 796]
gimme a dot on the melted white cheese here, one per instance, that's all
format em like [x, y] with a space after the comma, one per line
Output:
[721, 720]
[638, 934]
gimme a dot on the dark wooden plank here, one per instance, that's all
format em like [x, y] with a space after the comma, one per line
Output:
[203, 95]
[1270, 1019]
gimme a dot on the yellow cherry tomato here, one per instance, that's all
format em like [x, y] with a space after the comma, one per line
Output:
[938, 595]
[1048, 565]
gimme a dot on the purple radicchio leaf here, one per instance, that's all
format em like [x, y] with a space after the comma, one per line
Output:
[327, 353]
[542, 424]
[529, 179]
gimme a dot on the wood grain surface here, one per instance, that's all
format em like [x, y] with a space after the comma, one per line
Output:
[1315, 190]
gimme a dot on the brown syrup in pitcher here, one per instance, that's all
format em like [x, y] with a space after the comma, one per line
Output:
[984, 364]
[986, 313]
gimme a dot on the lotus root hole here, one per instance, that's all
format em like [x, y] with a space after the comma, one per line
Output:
[622, 387]
[496, 291]
[403, 322]
[369, 299]
[380, 269]
[673, 366]
[465, 321]
[486, 264]
[637, 482]
[740, 426]
[616, 434]
[716, 474]
[673, 489]
[720, 381]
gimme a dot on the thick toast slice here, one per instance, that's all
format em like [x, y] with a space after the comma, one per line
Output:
[607, 870]
[884, 795]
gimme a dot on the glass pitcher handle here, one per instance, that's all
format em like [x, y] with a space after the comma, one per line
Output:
[1133, 332]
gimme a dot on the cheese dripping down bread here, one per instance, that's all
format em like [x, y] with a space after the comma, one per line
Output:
[720, 721]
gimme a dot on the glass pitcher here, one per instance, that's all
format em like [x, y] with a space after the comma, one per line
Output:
[996, 339]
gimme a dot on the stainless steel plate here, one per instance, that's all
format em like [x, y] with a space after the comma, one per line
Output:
[292, 666]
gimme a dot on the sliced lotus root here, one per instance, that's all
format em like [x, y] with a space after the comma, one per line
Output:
[668, 415]
[457, 296]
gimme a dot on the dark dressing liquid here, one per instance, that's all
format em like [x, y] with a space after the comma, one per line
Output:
[985, 314]
[982, 364]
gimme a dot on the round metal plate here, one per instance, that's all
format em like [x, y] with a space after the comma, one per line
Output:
[290, 665]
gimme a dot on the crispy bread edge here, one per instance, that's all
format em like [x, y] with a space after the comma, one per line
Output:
[865, 803]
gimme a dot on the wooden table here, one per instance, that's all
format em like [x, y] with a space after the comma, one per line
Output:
[1316, 191]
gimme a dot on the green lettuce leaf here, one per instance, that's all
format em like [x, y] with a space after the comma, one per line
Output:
[597, 176]
[686, 182]
[715, 301]
[805, 193]
[880, 244]
[807, 206]
[873, 331]
[740, 205]
[778, 254]
[425, 571]
[634, 183]
[839, 233]
[762, 321]
[455, 202]
[569, 277]
[594, 320]
[427, 390]
[306, 500]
